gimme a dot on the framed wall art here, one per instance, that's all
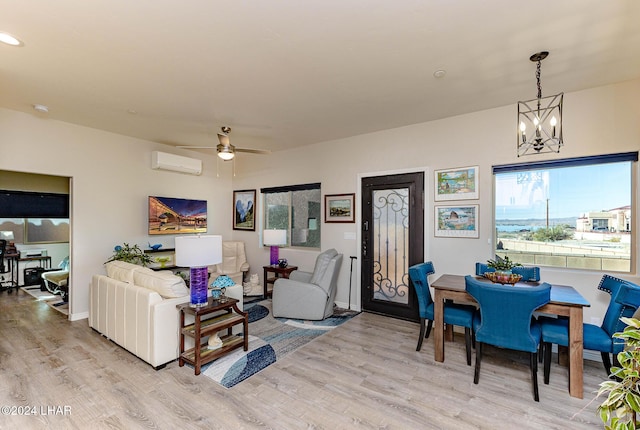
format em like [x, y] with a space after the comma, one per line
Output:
[457, 221]
[339, 208]
[456, 184]
[244, 209]
[170, 215]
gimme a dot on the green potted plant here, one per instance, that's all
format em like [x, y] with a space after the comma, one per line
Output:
[621, 407]
[502, 264]
[130, 254]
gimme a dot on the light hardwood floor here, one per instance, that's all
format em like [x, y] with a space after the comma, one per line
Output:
[364, 374]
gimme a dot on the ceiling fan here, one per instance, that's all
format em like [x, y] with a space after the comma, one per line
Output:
[226, 150]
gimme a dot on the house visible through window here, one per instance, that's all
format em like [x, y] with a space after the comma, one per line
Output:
[574, 213]
[294, 208]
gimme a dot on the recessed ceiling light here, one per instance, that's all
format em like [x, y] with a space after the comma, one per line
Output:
[439, 73]
[41, 108]
[9, 39]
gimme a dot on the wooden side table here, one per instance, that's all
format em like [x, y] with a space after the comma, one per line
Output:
[278, 272]
[200, 354]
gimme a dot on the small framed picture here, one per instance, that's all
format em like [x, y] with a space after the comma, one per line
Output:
[339, 208]
[456, 184]
[457, 221]
[244, 202]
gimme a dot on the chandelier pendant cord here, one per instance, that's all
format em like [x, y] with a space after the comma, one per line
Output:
[538, 73]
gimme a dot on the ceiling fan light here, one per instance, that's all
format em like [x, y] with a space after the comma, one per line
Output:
[226, 155]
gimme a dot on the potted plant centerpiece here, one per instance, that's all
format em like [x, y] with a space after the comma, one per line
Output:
[621, 407]
[503, 268]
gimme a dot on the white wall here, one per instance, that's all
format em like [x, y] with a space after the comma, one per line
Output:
[111, 180]
[596, 121]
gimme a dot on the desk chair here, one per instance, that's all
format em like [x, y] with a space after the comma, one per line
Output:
[506, 320]
[3, 249]
[454, 314]
[624, 301]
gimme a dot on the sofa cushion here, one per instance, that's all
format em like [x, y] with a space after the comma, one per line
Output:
[164, 283]
[322, 262]
[123, 271]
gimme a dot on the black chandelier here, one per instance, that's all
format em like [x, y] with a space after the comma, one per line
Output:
[540, 119]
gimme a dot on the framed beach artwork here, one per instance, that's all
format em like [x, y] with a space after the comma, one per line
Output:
[457, 221]
[456, 184]
[339, 208]
[244, 209]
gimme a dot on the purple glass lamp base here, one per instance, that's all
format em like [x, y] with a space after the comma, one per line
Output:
[199, 277]
[275, 255]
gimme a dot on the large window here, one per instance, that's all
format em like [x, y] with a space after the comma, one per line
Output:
[294, 208]
[573, 213]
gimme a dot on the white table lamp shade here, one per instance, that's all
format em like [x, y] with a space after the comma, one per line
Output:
[198, 251]
[275, 237]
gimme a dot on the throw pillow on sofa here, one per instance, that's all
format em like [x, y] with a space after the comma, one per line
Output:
[164, 283]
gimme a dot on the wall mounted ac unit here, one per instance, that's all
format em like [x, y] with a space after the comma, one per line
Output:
[175, 163]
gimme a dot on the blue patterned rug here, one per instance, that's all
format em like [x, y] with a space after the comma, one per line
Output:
[270, 339]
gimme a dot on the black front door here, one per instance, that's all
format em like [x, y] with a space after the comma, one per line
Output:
[392, 241]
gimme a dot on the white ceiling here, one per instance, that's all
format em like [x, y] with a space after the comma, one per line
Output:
[287, 73]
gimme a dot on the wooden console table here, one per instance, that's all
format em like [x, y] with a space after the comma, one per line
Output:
[278, 272]
[201, 354]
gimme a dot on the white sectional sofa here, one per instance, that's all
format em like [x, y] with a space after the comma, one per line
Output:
[136, 308]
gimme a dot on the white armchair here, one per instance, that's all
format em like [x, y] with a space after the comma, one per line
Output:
[309, 296]
[234, 262]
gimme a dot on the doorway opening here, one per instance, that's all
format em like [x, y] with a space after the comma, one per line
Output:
[35, 213]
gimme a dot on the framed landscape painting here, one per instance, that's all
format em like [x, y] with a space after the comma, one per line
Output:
[457, 221]
[339, 208]
[456, 184]
[244, 202]
[171, 215]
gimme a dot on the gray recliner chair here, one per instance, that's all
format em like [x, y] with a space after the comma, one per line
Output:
[309, 296]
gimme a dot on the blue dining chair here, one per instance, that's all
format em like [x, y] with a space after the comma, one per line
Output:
[530, 274]
[454, 314]
[506, 320]
[624, 301]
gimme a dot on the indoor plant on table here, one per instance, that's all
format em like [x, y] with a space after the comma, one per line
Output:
[502, 264]
[621, 407]
[130, 254]
[503, 273]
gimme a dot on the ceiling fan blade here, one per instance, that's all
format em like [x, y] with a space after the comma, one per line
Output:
[254, 151]
[196, 147]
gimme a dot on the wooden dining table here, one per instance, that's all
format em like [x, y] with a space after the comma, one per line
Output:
[565, 301]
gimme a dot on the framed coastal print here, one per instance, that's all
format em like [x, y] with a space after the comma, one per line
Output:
[244, 202]
[456, 184]
[457, 221]
[339, 208]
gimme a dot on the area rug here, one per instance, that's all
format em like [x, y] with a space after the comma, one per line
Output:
[270, 339]
[52, 300]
